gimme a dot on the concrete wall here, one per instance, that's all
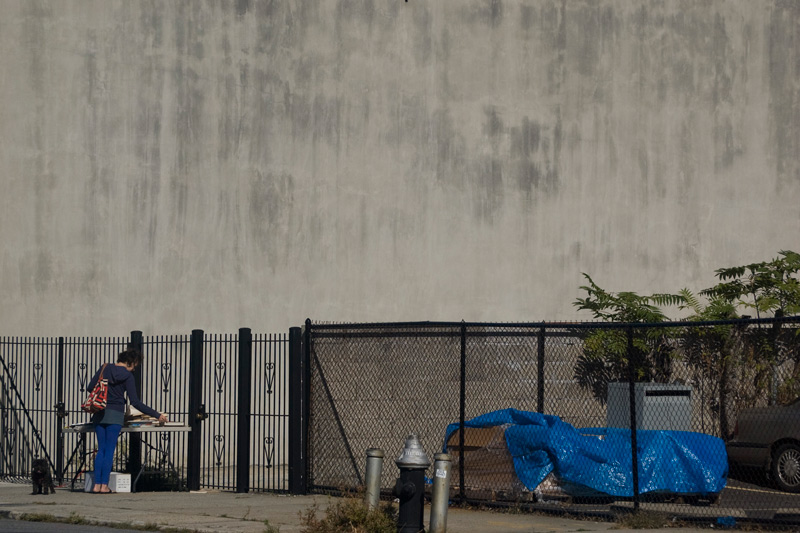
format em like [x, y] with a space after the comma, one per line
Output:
[223, 164]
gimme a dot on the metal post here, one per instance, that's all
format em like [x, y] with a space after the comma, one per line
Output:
[135, 439]
[462, 491]
[372, 494]
[61, 413]
[775, 331]
[540, 373]
[196, 410]
[306, 396]
[441, 493]
[297, 420]
[632, 401]
[243, 414]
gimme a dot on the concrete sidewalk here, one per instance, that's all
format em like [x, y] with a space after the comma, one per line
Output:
[214, 511]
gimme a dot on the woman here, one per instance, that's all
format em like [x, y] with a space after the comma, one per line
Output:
[108, 423]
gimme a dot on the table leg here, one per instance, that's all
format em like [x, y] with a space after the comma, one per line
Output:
[82, 445]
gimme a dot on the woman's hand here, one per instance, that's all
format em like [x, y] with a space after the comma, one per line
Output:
[163, 419]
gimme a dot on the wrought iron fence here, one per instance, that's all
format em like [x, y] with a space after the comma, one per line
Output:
[43, 382]
[689, 385]
[270, 412]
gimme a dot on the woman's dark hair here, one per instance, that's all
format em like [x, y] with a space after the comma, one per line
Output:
[130, 356]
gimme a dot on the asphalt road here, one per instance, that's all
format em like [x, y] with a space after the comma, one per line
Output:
[749, 490]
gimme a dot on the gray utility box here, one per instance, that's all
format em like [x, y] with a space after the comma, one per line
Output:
[658, 406]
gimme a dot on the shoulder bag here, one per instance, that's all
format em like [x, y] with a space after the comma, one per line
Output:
[98, 398]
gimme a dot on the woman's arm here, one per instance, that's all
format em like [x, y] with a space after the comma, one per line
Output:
[133, 397]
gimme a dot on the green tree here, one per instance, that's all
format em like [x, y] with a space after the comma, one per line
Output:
[741, 364]
[605, 356]
[768, 288]
[710, 351]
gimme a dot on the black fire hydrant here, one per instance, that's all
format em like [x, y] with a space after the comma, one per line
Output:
[410, 487]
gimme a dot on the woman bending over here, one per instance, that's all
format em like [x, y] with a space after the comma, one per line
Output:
[108, 422]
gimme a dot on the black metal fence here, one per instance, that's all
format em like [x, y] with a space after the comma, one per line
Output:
[296, 412]
[373, 384]
[232, 390]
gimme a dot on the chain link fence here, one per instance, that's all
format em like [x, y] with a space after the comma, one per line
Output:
[540, 414]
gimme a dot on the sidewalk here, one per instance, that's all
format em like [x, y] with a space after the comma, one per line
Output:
[214, 511]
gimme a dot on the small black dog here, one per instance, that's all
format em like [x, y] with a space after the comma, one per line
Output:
[42, 480]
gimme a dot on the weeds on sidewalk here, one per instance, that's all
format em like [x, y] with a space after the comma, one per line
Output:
[643, 520]
[350, 515]
[73, 518]
[77, 519]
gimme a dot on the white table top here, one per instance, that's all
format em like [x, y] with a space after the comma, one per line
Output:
[87, 428]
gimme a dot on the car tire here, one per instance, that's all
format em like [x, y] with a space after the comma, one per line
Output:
[785, 468]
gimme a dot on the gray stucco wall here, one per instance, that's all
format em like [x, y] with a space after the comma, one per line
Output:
[176, 165]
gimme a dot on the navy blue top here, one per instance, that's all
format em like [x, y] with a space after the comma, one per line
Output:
[120, 381]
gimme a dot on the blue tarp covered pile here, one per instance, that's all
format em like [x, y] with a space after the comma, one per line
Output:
[599, 459]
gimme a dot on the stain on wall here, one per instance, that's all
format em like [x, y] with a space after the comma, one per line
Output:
[784, 91]
[181, 165]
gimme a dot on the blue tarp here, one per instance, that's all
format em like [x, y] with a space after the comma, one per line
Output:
[680, 462]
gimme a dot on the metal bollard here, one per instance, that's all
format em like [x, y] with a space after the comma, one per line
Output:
[373, 478]
[410, 487]
[441, 493]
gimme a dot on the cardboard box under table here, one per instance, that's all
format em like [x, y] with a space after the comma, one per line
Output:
[159, 450]
[117, 482]
[487, 462]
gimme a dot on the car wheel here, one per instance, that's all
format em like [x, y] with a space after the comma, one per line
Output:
[786, 468]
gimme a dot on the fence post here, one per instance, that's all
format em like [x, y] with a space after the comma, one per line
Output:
[306, 393]
[306, 370]
[196, 410]
[540, 376]
[462, 409]
[61, 413]
[135, 439]
[243, 414]
[775, 330]
[632, 406]
[297, 417]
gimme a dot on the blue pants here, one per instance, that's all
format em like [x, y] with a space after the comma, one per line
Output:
[107, 435]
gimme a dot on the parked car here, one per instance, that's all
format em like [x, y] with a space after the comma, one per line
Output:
[769, 438]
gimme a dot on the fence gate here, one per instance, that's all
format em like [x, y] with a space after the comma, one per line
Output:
[245, 377]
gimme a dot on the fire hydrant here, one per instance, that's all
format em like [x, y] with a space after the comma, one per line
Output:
[410, 487]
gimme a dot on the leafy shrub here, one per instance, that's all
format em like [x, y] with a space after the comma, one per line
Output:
[350, 515]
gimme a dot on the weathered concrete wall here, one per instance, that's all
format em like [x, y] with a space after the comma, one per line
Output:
[176, 165]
